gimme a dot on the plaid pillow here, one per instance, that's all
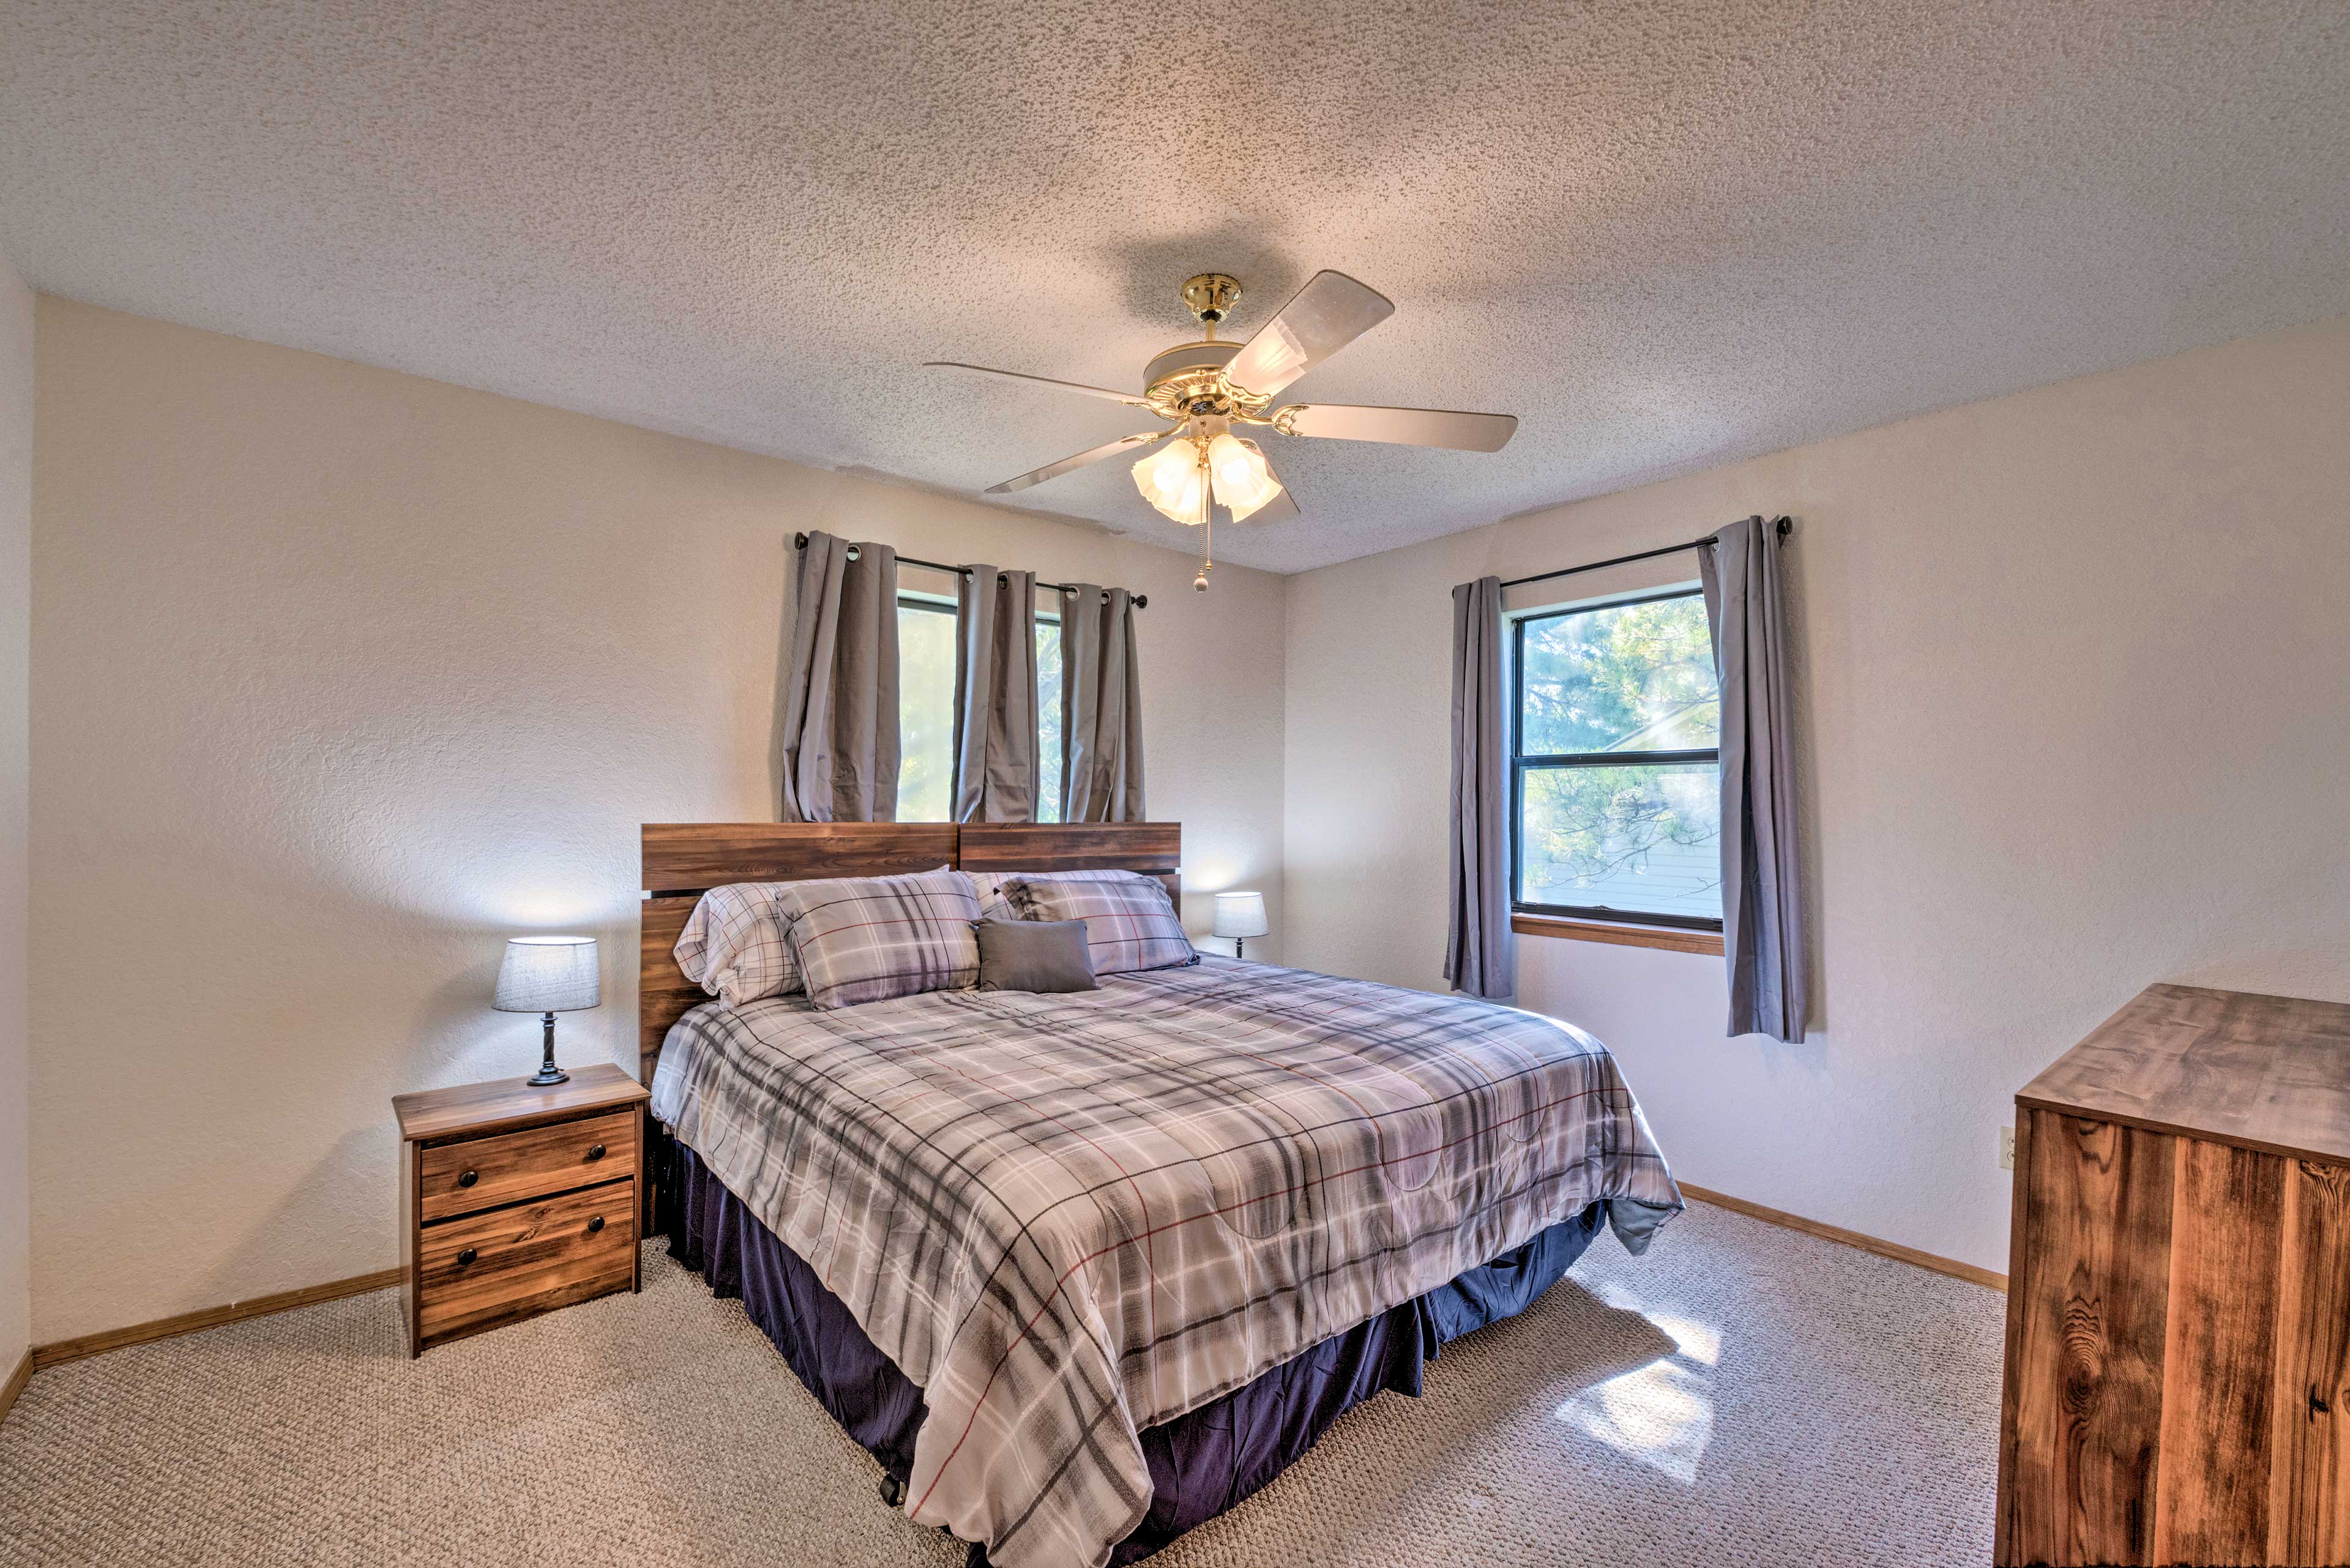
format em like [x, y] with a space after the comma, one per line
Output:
[989, 885]
[994, 906]
[737, 946]
[1130, 923]
[865, 939]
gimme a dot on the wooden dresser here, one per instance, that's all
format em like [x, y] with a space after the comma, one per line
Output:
[515, 1201]
[2177, 1385]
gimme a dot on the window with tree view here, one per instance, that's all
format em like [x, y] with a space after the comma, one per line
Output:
[1616, 763]
[926, 705]
[1048, 718]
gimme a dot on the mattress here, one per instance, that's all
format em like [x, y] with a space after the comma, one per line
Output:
[1069, 1218]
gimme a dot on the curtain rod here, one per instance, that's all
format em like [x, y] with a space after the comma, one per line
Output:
[1142, 601]
[1783, 526]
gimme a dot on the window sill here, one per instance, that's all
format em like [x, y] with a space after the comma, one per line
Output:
[1669, 938]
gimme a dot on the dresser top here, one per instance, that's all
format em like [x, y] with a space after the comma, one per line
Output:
[2271, 1073]
[502, 1104]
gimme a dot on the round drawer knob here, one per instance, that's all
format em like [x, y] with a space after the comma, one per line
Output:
[465, 1257]
[596, 1151]
[596, 1224]
[467, 1178]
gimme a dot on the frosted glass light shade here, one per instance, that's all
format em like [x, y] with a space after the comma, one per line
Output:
[1191, 504]
[1241, 915]
[549, 974]
[1171, 480]
[1245, 481]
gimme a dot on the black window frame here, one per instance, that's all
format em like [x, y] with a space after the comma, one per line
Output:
[1520, 762]
[930, 604]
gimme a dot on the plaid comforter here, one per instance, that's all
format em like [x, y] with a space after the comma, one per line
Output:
[1068, 1217]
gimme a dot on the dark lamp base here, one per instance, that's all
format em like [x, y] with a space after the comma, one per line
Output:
[549, 1072]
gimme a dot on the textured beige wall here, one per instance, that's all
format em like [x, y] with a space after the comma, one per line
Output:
[343, 675]
[2073, 669]
[15, 610]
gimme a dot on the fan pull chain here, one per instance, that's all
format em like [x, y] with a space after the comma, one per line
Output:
[1207, 528]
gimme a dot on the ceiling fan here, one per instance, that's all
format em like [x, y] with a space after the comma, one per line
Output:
[1206, 387]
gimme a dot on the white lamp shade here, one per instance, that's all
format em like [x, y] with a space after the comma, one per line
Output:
[1172, 480]
[1245, 481]
[1241, 915]
[549, 974]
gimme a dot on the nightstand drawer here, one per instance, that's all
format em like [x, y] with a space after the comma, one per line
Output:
[483, 1172]
[488, 1268]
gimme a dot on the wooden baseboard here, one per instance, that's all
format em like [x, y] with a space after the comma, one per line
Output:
[209, 1317]
[15, 1384]
[1894, 1250]
[64, 1350]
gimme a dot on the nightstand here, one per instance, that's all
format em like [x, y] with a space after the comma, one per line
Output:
[515, 1201]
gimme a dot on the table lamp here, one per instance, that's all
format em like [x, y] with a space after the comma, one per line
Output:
[549, 975]
[1240, 916]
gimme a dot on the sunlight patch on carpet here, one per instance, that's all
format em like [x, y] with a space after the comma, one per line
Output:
[1661, 1414]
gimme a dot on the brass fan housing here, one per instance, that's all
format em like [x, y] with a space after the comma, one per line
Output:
[1210, 296]
[1188, 379]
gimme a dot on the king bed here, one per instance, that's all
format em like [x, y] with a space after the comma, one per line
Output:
[1082, 1270]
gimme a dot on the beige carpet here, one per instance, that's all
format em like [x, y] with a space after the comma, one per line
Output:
[1743, 1395]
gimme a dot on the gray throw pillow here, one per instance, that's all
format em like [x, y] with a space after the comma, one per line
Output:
[1034, 955]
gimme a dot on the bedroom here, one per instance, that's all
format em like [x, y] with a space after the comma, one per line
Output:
[409, 423]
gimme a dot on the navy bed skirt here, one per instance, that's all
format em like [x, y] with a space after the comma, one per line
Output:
[1201, 1463]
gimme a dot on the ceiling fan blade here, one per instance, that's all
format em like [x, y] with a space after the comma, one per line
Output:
[1055, 470]
[1402, 427]
[1331, 311]
[1125, 398]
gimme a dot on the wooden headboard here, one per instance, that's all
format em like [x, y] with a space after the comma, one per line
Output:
[684, 861]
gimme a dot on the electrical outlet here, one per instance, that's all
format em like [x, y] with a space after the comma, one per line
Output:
[2007, 1148]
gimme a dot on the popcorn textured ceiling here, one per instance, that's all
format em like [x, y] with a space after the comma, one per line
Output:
[1665, 235]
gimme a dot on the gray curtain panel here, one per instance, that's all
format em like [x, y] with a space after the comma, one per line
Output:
[1477, 957]
[1761, 866]
[840, 700]
[1101, 708]
[995, 696]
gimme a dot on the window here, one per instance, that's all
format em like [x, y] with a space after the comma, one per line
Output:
[1615, 764]
[926, 708]
[1048, 717]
